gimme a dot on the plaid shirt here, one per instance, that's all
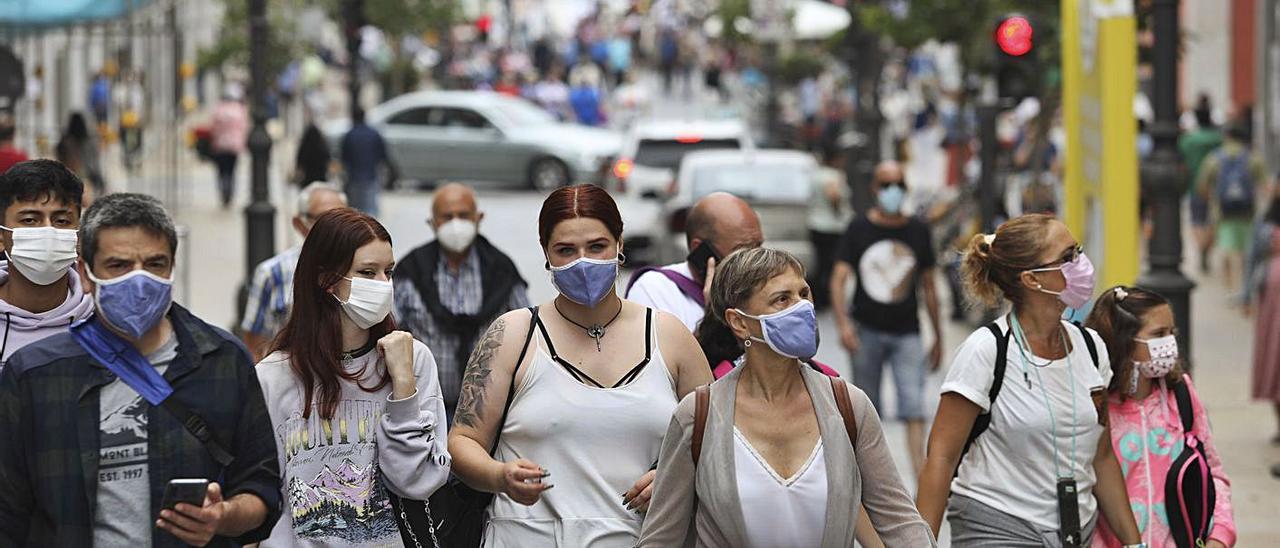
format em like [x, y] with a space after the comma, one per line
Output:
[50, 450]
[461, 293]
[271, 294]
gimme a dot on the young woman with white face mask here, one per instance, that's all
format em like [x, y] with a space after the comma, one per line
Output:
[574, 395]
[766, 457]
[1145, 406]
[355, 405]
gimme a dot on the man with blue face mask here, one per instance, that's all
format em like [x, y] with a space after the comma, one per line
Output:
[889, 253]
[97, 421]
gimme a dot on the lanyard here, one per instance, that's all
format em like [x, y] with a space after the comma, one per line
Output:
[1023, 344]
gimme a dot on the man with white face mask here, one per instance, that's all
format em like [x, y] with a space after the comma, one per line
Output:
[271, 293]
[449, 290]
[40, 294]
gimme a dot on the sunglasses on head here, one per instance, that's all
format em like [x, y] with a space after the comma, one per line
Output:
[1069, 256]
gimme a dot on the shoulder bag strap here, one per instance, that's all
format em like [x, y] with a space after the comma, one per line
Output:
[511, 389]
[702, 399]
[199, 429]
[1088, 343]
[841, 391]
[1185, 412]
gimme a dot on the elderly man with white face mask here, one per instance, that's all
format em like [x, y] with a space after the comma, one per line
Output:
[449, 290]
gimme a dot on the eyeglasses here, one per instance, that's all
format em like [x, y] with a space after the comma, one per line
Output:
[1069, 256]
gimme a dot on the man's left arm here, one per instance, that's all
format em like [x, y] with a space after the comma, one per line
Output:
[929, 289]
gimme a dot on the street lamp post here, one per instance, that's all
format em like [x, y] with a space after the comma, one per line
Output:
[1162, 178]
[260, 214]
[866, 62]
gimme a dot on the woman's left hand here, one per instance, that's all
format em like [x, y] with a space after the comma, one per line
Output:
[396, 348]
[637, 499]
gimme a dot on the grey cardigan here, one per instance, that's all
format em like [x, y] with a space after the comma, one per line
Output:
[701, 507]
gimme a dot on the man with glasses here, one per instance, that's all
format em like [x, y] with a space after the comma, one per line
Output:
[271, 293]
[890, 256]
[449, 290]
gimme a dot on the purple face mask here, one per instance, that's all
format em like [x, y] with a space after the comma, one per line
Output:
[1079, 276]
[585, 281]
[133, 303]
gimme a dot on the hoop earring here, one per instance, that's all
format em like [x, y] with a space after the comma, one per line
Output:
[746, 343]
[622, 258]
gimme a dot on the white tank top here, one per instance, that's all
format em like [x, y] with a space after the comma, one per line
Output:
[780, 512]
[596, 442]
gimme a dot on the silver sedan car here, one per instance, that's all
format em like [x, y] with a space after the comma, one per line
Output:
[484, 136]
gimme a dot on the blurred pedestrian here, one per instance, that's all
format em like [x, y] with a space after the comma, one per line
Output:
[363, 152]
[1262, 296]
[828, 217]
[589, 403]
[802, 420]
[229, 131]
[364, 396]
[553, 94]
[450, 289]
[140, 394]
[132, 103]
[1195, 146]
[313, 159]
[78, 150]
[717, 225]
[100, 97]
[890, 256]
[271, 290]
[10, 154]
[584, 98]
[1019, 453]
[1229, 179]
[668, 57]
[1149, 398]
[40, 292]
[619, 49]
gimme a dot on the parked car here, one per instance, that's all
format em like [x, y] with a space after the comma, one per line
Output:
[775, 182]
[644, 173]
[485, 136]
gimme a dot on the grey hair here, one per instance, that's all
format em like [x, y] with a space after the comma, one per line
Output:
[738, 276]
[125, 210]
[304, 196]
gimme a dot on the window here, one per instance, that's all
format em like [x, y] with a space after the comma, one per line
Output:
[463, 118]
[419, 116]
[755, 183]
[668, 153]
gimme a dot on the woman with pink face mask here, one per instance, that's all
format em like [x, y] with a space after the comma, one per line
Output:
[1146, 401]
[1019, 454]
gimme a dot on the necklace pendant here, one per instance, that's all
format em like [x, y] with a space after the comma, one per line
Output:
[596, 332]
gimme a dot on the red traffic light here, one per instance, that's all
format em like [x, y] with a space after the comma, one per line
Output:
[1014, 36]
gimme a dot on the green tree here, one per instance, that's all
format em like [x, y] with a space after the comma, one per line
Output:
[232, 46]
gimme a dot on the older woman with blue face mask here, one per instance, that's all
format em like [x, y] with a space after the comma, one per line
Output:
[763, 457]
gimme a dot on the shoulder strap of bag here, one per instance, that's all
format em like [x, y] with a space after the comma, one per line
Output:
[1185, 412]
[511, 389]
[983, 421]
[199, 429]
[1088, 343]
[702, 399]
[841, 391]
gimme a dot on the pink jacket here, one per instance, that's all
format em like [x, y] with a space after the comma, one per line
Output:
[230, 127]
[1146, 435]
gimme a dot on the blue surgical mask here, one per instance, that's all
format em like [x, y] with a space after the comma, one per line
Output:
[585, 281]
[133, 303]
[792, 332]
[890, 199]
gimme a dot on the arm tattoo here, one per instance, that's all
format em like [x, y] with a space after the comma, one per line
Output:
[476, 379]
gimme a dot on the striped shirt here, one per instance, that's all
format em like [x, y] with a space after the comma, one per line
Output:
[462, 293]
[271, 294]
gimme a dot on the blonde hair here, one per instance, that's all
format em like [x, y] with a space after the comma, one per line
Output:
[993, 262]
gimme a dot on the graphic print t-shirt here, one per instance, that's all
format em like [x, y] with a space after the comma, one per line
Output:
[887, 262]
[123, 508]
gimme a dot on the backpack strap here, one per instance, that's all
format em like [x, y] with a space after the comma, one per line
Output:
[983, 421]
[702, 399]
[1088, 343]
[1183, 396]
[841, 391]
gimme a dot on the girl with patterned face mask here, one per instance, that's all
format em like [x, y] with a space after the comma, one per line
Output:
[1145, 411]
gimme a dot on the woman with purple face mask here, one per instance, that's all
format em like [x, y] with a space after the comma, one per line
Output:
[575, 393]
[1019, 453]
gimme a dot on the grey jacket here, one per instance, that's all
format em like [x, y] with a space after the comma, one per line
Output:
[701, 507]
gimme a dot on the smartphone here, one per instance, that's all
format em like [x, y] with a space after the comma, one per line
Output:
[190, 491]
[699, 256]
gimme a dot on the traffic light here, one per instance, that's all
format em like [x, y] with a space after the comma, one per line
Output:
[1017, 71]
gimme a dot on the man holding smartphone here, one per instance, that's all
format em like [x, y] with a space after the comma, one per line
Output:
[718, 224]
[98, 421]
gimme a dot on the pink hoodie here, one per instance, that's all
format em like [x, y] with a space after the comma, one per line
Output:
[19, 327]
[1147, 435]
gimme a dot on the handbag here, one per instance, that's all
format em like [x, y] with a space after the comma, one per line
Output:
[1189, 492]
[459, 518]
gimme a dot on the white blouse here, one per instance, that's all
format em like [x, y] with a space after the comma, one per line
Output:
[780, 512]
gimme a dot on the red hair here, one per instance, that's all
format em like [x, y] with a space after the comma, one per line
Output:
[578, 202]
[313, 334]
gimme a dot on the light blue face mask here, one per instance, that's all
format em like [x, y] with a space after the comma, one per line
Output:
[890, 199]
[133, 303]
[792, 333]
[585, 281]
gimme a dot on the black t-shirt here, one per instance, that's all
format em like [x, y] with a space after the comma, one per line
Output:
[887, 262]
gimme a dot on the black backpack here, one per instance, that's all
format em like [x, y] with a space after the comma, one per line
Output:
[983, 421]
[1189, 492]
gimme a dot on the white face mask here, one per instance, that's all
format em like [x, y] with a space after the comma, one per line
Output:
[457, 235]
[369, 302]
[42, 254]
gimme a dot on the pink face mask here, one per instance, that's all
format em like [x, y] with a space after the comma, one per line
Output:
[1079, 277]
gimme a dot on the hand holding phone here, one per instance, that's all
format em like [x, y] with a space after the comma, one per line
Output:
[190, 490]
[186, 515]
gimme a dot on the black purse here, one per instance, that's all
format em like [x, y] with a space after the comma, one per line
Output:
[459, 518]
[1190, 495]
